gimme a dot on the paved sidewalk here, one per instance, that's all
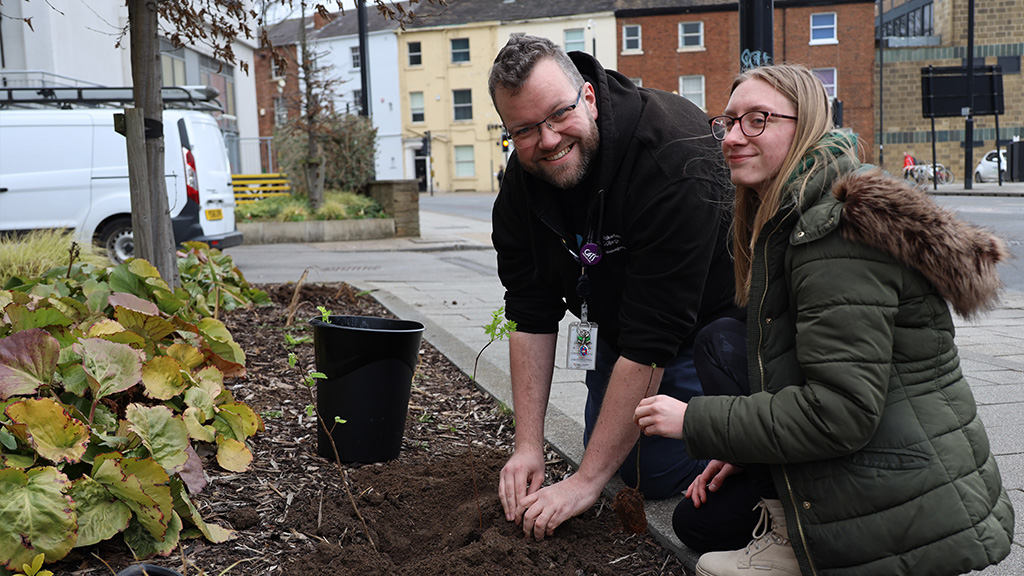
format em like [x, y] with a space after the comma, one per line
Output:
[463, 290]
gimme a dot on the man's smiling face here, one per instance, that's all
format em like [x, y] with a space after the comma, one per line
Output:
[562, 156]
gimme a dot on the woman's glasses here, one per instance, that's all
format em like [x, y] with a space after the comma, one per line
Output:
[529, 134]
[752, 123]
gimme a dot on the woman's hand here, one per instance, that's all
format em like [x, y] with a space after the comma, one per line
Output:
[661, 415]
[709, 481]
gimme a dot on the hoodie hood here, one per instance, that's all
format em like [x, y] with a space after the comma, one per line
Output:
[893, 216]
[615, 123]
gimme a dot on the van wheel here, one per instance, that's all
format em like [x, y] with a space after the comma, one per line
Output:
[116, 238]
[978, 178]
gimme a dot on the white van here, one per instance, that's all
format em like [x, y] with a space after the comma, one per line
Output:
[69, 169]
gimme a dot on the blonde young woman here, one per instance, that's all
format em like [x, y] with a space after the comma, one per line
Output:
[849, 417]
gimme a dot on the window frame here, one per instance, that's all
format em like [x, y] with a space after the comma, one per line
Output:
[834, 26]
[418, 53]
[703, 89]
[581, 42]
[699, 34]
[459, 51]
[462, 106]
[639, 49]
[461, 163]
[834, 84]
[413, 108]
[354, 50]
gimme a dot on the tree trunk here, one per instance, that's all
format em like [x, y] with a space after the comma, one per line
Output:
[314, 163]
[151, 219]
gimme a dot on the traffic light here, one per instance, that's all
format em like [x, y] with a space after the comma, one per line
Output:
[504, 143]
[425, 144]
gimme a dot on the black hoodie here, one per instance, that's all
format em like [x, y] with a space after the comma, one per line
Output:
[664, 225]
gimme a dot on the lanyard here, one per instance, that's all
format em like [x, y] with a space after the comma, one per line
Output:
[590, 253]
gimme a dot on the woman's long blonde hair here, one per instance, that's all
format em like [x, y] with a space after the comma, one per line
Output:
[814, 119]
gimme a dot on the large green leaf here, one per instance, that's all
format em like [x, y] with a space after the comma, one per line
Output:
[22, 318]
[35, 516]
[184, 507]
[100, 515]
[162, 378]
[110, 367]
[152, 327]
[27, 361]
[220, 342]
[133, 302]
[142, 485]
[243, 420]
[164, 435]
[143, 543]
[53, 434]
[233, 455]
[195, 422]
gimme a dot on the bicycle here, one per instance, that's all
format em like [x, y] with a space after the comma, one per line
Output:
[922, 173]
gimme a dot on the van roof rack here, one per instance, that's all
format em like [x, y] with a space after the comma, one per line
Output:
[193, 97]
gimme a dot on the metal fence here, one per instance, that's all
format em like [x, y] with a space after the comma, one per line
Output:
[251, 155]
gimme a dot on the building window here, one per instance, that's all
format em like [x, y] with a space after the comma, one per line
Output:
[823, 28]
[355, 57]
[638, 82]
[357, 101]
[280, 111]
[574, 40]
[460, 50]
[416, 106]
[465, 167]
[415, 54]
[463, 104]
[631, 38]
[692, 88]
[174, 70]
[691, 35]
[918, 21]
[275, 68]
[220, 76]
[828, 79]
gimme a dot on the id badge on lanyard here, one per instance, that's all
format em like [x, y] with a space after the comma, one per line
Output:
[581, 353]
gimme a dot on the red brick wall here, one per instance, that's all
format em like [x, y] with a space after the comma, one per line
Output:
[267, 87]
[661, 64]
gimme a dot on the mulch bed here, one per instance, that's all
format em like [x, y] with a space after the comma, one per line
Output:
[434, 510]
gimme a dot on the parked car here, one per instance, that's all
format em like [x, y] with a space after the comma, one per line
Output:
[988, 170]
[69, 169]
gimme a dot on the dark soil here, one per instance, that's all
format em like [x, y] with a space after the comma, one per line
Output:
[434, 510]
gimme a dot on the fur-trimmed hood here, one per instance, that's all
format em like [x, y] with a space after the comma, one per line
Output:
[892, 215]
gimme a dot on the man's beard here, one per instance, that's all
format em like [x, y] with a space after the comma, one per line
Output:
[566, 177]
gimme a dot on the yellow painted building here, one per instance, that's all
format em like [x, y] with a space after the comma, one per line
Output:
[443, 72]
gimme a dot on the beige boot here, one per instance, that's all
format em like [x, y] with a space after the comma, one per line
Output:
[768, 554]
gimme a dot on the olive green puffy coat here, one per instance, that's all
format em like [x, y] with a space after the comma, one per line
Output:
[858, 402]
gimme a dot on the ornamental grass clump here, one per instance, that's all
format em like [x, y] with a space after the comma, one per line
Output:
[32, 254]
[111, 382]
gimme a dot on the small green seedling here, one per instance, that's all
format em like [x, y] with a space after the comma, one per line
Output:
[36, 568]
[297, 340]
[325, 314]
[498, 329]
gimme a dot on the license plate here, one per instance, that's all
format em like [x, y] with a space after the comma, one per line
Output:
[214, 214]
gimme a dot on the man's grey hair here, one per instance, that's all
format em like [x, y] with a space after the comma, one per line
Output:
[516, 60]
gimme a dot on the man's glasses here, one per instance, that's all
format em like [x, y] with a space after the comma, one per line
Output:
[529, 134]
[751, 124]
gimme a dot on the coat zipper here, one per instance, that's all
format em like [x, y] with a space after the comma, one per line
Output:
[760, 367]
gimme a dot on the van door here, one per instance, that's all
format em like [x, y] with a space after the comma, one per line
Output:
[45, 162]
[213, 174]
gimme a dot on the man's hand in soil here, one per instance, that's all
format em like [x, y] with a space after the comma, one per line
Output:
[521, 476]
[547, 508]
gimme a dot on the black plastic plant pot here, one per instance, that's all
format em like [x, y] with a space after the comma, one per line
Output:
[369, 363]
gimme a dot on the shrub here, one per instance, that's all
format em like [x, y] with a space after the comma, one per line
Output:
[347, 147]
[32, 254]
[109, 380]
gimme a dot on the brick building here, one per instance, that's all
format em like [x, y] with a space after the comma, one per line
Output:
[919, 33]
[692, 47]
